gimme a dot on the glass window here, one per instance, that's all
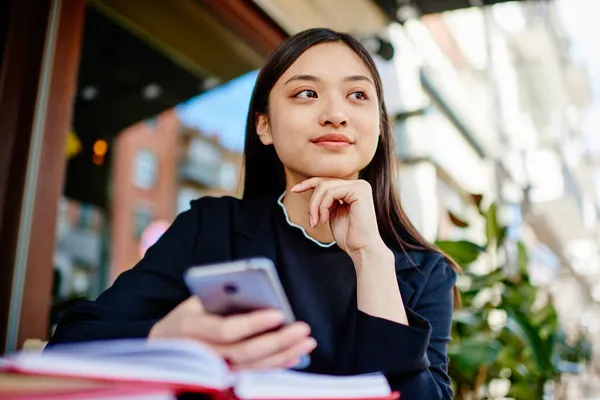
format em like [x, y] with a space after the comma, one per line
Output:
[86, 217]
[144, 169]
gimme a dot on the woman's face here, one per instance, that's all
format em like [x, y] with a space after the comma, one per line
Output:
[323, 115]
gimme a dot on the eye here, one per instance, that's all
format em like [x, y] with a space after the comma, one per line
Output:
[360, 95]
[306, 94]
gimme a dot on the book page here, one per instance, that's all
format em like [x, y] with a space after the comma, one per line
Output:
[301, 385]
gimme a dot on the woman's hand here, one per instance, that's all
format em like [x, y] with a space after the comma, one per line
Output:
[349, 209]
[246, 341]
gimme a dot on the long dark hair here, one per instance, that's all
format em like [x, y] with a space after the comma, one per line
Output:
[264, 172]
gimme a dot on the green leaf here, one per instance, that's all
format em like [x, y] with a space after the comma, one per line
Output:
[462, 251]
[551, 343]
[491, 227]
[488, 280]
[520, 325]
[506, 358]
[522, 258]
[545, 316]
[502, 231]
[471, 354]
[522, 390]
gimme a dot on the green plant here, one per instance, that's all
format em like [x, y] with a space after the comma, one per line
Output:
[507, 328]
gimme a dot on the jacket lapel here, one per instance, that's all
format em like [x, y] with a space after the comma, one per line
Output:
[252, 229]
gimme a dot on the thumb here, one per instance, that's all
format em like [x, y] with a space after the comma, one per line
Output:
[192, 304]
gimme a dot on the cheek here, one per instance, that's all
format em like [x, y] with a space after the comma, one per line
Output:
[370, 129]
[290, 126]
[287, 138]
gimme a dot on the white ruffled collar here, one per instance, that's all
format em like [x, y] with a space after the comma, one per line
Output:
[290, 223]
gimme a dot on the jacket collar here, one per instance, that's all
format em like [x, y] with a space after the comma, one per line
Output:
[253, 229]
[250, 216]
[407, 260]
[254, 234]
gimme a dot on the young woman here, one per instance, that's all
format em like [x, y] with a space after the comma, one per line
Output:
[319, 200]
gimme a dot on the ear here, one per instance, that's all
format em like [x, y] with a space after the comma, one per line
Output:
[263, 130]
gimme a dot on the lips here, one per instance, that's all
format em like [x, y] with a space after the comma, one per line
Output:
[333, 138]
[333, 142]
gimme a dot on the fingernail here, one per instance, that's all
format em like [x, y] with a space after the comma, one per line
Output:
[303, 362]
[309, 345]
[294, 188]
[312, 221]
[292, 363]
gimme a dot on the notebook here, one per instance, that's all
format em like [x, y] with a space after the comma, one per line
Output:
[189, 366]
[33, 387]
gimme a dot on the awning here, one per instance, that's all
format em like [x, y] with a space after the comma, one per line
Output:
[390, 7]
[358, 17]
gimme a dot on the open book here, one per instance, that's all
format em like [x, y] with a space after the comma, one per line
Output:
[187, 366]
[32, 387]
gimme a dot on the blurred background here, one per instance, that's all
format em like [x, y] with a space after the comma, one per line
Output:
[114, 114]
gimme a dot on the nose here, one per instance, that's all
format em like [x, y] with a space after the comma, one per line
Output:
[335, 118]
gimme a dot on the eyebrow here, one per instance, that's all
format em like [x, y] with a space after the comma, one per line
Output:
[312, 78]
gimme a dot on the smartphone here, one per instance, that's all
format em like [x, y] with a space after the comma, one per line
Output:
[238, 287]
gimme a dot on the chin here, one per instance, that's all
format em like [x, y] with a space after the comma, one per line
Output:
[334, 171]
[333, 166]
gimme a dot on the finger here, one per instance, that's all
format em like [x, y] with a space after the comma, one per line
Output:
[217, 329]
[315, 203]
[332, 197]
[325, 203]
[192, 305]
[306, 185]
[268, 344]
[288, 358]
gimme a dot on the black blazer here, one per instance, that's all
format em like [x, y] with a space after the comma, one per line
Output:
[218, 229]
